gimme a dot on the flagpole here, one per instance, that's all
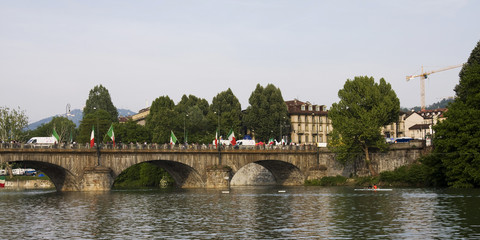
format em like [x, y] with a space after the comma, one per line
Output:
[219, 141]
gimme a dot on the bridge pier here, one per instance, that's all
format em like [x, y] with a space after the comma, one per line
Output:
[219, 177]
[98, 178]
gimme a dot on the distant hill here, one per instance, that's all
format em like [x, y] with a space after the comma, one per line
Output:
[442, 104]
[76, 116]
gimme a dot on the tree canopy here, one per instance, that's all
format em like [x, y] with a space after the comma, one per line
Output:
[364, 108]
[99, 98]
[162, 119]
[226, 108]
[12, 123]
[266, 113]
[455, 160]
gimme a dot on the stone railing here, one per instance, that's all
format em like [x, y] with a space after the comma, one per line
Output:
[155, 146]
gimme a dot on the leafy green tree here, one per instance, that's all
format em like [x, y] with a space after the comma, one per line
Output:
[130, 132]
[364, 107]
[64, 127]
[12, 123]
[192, 112]
[99, 98]
[226, 111]
[100, 119]
[456, 154]
[162, 119]
[267, 111]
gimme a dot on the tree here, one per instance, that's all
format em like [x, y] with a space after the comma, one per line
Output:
[130, 132]
[64, 127]
[456, 154]
[100, 120]
[226, 111]
[162, 119]
[192, 112]
[12, 123]
[99, 98]
[267, 111]
[364, 107]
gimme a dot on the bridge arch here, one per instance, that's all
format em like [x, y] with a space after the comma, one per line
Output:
[62, 178]
[284, 173]
[184, 175]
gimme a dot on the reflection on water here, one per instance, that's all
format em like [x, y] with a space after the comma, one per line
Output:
[253, 213]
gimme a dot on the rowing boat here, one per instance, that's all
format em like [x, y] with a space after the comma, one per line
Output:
[372, 189]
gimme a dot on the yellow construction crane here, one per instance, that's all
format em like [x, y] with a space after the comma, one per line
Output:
[423, 76]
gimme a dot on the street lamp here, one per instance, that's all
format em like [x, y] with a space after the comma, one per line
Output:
[97, 140]
[184, 132]
[219, 144]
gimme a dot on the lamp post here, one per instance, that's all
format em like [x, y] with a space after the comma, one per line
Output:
[219, 144]
[97, 140]
[184, 131]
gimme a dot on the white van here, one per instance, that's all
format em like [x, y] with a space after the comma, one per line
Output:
[42, 141]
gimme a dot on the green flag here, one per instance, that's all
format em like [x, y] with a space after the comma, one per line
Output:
[2, 181]
[55, 135]
[173, 139]
[111, 134]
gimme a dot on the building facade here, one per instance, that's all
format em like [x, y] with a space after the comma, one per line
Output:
[309, 123]
[417, 125]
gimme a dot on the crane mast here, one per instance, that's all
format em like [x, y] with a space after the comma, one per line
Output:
[423, 76]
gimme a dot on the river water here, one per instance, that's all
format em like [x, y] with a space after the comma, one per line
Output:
[244, 213]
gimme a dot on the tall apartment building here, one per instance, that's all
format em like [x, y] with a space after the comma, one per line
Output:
[309, 122]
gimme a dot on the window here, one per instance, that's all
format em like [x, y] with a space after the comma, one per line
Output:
[303, 107]
[310, 108]
[317, 108]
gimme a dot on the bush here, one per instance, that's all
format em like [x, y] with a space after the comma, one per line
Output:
[415, 175]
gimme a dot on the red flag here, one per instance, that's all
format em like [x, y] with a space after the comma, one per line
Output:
[92, 137]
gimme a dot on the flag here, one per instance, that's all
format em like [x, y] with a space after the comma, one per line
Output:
[92, 137]
[111, 134]
[231, 137]
[271, 141]
[216, 139]
[2, 181]
[55, 135]
[173, 139]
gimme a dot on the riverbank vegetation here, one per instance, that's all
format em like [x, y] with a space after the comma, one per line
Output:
[414, 175]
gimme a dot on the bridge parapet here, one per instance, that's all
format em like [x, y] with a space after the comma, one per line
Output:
[154, 146]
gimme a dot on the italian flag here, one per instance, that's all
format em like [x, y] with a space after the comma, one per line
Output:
[173, 139]
[231, 137]
[55, 135]
[92, 137]
[111, 134]
[271, 141]
[2, 181]
[216, 139]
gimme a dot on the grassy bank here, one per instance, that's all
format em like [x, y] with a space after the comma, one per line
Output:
[415, 175]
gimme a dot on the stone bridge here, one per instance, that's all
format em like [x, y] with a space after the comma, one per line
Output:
[85, 169]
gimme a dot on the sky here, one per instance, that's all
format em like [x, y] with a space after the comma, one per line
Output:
[52, 53]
